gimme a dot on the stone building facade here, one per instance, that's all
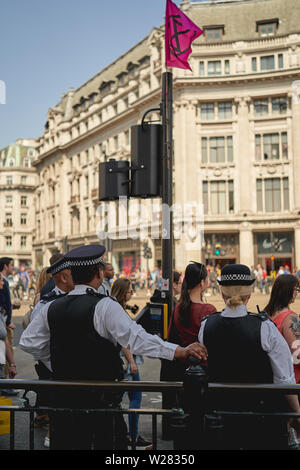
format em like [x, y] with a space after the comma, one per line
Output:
[236, 141]
[18, 180]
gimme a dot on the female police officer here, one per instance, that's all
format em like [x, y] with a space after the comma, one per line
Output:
[246, 348]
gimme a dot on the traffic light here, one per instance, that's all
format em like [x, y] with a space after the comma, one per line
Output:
[217, 250]
[146, 160]
[113, 179]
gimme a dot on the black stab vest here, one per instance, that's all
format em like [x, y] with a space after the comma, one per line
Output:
[234, 349]
[77, 351]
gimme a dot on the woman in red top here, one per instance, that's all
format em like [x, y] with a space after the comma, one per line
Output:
[184, 328]
[284, 292]
[191, 309]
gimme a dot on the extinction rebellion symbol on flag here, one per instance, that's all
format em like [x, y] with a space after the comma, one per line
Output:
[180, 32]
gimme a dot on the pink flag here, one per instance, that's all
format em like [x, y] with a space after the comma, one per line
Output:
[180, 32]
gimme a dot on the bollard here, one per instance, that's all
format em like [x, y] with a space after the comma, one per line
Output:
[188, 428]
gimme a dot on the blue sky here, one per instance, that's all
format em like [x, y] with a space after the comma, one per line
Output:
[48, 46]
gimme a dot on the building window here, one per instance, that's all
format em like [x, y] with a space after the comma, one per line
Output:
[87, 188]
[213, 33]
[205, 196]
[271, 146]
[227, 67]
[127, 137]
[229, 149]
[214, 67]
[225, 110]
[267, 63]
[116, 142]
[265, 106]
[201, 68]
[23, 179]
[279, 105]
[9, 180]
[8, 220]
[217, 149]
[23, 241]
[280, 61]
[218, 197]
[261, 107]
[272, 194]
[23, 201]
[254, 64]
[204, 149]
[9, 200]
[8, 241]
[26, 162]
[267, 28]
[23, 219]
[207, 111]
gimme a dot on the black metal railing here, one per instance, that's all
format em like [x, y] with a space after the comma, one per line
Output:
[178, 387]
[123, 386]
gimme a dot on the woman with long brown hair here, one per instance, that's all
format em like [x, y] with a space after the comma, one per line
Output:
[283, 294]
[191, 308]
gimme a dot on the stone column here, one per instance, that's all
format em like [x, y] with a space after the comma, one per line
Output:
[295, 104]
[246, 245]
[187, 184]
[242, 158]
[297, 245]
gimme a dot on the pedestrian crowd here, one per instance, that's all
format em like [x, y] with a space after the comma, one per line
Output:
[80, 294]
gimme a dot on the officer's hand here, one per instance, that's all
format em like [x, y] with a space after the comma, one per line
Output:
[196, 350]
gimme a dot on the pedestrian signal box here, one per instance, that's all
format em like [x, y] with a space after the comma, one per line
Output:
[154, 319]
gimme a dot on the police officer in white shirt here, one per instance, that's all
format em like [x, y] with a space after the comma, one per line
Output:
[61, 274]
[246, 348]
[89, 350]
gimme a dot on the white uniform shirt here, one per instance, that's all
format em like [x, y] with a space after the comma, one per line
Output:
[110, 322]
[272, 342]
[36, 311]
[105, 287]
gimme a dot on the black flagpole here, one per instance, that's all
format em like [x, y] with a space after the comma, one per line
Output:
[167, 189]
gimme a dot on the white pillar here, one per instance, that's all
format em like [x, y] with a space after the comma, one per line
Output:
[246, 247]
[297, 248]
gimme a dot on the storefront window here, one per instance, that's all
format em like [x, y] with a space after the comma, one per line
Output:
[274, 242]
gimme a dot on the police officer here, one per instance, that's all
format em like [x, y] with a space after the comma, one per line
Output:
[246, 348]
[63, 283]
[80, 333]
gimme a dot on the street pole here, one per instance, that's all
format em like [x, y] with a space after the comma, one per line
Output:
[167, 190]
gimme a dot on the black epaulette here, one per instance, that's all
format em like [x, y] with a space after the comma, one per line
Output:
[52, 295]
[263, 316]
[90, 291]
[208, 316]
